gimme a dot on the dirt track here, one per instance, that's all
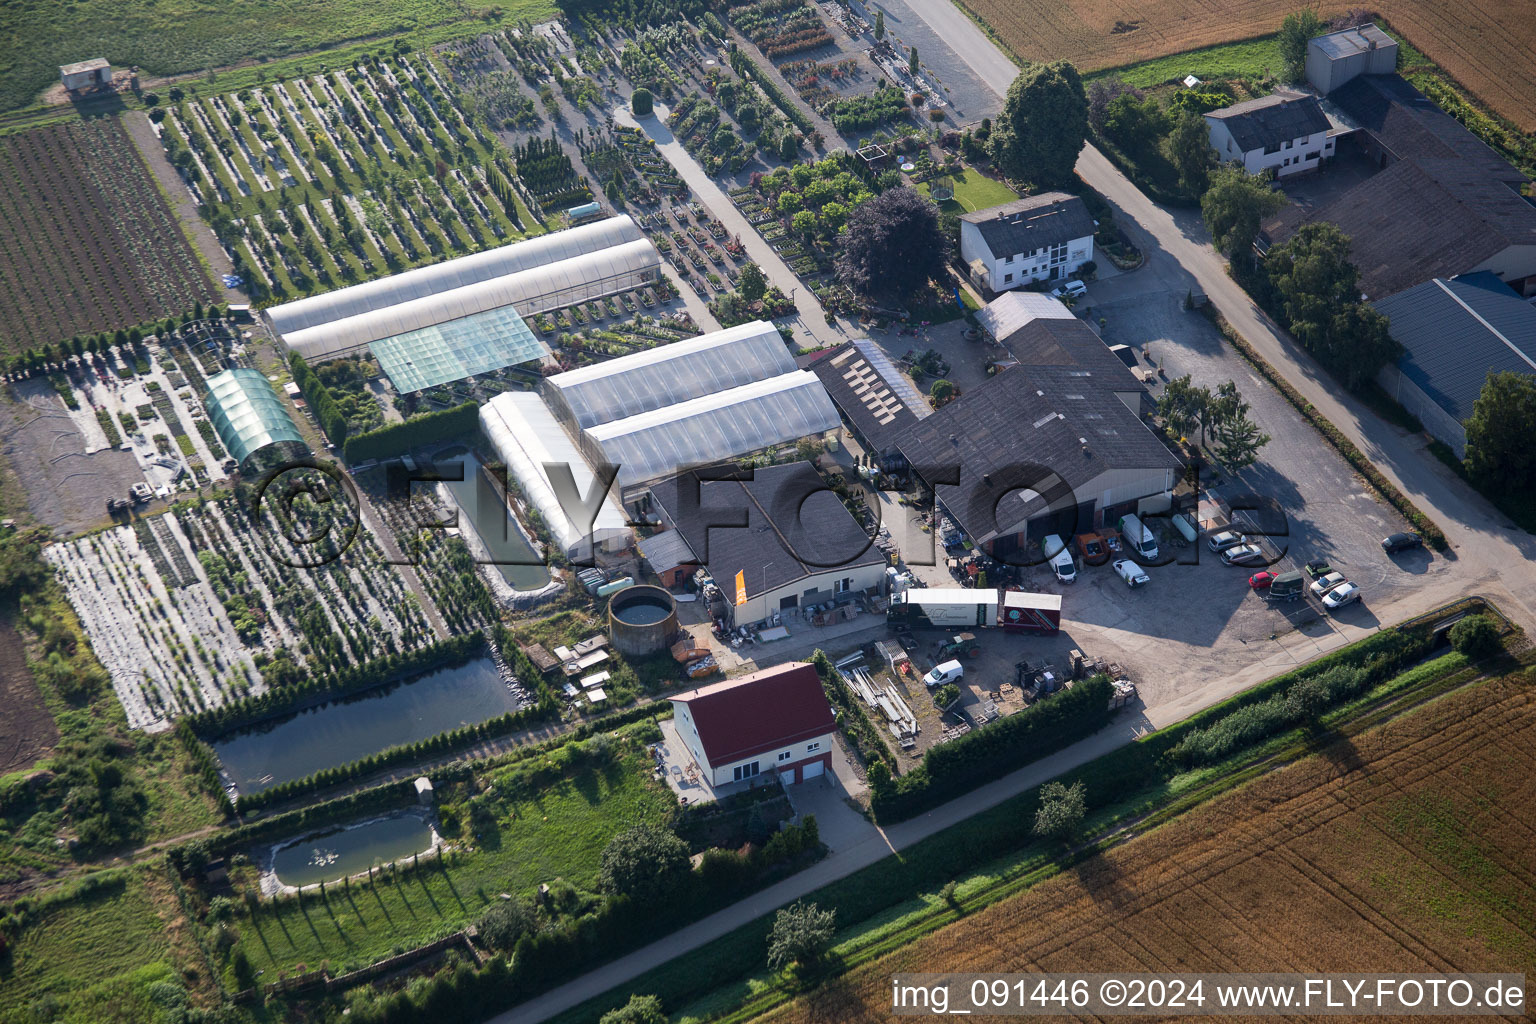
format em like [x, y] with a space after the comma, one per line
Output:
[1405, 849]
[27, 732]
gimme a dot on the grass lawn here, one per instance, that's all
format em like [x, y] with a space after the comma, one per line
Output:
[1249, 58]
[559, 833]
[975, 191]
[181, 36]
[81, 944]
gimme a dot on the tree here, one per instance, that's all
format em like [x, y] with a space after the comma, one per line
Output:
[1183, 406]
[803, 223]
[879, 25]
[893, 245]
[941, 391]
[946, 695]
[1101, 93]
[1313, 279]
[788, 147]
[1062, 809]
[644, 862]
[641, 103]
[506, 921]
[1499, 433]
[751, 283]
[1234, 205]
[1135, 125]
[801, 934]
[1475, 636]
[1359, 344]
[912, 60]
[1043, 124]
[639, 1010]
[1296, 31]
[1238, 440]
[1190, 150]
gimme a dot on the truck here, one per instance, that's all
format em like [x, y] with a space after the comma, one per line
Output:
[1023, 612]
[943, 607]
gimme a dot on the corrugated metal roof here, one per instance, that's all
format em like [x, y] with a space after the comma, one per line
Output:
[247, 414]
[1012, 310]
[1459, 331]
[1350, 41]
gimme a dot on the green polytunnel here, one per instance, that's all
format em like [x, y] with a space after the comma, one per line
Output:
[247, 413]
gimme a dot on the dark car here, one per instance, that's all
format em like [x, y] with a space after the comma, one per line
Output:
[1401, 542]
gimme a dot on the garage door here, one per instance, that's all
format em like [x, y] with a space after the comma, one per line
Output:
[812, 770]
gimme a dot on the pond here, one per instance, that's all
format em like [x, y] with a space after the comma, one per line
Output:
[340, 732]
[481, 505]
[329, 856]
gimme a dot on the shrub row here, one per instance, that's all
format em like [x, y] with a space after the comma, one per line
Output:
[399, 438]
[746, 67]
[861, 732]
[321, 402]
[205, 765]
[985, 754]
[1426, 526]
[340, 683]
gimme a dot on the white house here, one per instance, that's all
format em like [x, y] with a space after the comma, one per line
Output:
[1037, 238]
[776, 720]
[1285, 131]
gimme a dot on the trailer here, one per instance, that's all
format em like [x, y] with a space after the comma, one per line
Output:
[943, 607]
[1023, 612]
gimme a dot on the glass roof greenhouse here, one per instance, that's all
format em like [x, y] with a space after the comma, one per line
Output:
[247, 414]
[722, 425]
[668, 374]
[478, 343]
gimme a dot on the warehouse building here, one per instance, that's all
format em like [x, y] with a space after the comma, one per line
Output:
[248, 415]
[875, 398]
[465, 316]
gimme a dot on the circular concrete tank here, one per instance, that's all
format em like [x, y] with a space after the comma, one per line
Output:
[641, 620]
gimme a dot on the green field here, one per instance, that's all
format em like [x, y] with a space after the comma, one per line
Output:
[558, 833]
[975, 191]
[71, 951]
[172, 37]
[1250, 58]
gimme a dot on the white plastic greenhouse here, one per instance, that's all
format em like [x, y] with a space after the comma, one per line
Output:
[535, 275]
[527, 437]
[669, 374]
[724, 425]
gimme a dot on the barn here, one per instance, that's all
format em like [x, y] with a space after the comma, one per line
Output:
[777, 720]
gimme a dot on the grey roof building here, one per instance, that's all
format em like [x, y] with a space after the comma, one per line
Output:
[1038, 238]
[1455, 333]
[1338, 57]
[1443, 204]
[1052, 444]
[1271, 120]
[875, 398]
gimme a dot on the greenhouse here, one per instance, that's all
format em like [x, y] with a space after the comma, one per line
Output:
[535, 275]
[247, 414]
[478, 343]
[527, 437]
[658, 377]
[723, 425]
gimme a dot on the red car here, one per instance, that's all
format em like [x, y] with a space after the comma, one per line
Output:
[1260, 580]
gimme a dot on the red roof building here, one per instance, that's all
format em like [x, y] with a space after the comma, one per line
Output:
[774, 720]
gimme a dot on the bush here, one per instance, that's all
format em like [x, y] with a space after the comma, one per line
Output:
[399, 438]
[1476, 636]
[946, 695]
[640, 104]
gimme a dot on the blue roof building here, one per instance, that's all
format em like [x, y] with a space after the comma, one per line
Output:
[1455, 333]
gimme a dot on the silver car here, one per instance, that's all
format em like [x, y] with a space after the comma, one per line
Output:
[1327, 583]
[1225, 539]
[1244, 554]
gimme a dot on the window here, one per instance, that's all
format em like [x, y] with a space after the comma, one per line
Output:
[1007, 278]
[1058, 254]
[1008, 260]
[1313, 155]
[811, 748]
[1272, 149]
[845, 584]
[746, 771]
[786, 755]
[1288, 143]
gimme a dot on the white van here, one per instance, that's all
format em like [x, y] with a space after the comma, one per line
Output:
[1055, 551]
[944, 672]
[1131, 573]
[1138, 536]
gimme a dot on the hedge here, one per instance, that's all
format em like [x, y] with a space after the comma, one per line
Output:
[746, 67]
[331, 419]
[855, 723]
[1427, 527]
[399, 438]
[982, 755]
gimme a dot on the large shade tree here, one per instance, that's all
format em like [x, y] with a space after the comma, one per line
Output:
[1500, 433]
[893, 245]
[1043, 125]
[1234, 205]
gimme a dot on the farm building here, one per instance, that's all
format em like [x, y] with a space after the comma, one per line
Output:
[86, 74]
[1335, 58]
[1038, 238]
[777, 720]
[247, 414]
[528, 439]
[452, 320]
[781, 527]
[1054, 443]
[1284, 132]
[669, 557]
[875, 398]
[1440, 204]
[1454, 334]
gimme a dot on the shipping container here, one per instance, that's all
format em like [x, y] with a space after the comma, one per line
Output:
[943, 607]
[1023, 612]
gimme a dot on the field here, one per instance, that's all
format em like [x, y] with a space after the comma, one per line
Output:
[178, 37]
[27, 731]
[975, 191]
[87, 240]
[522, 840]
[1484, 46]
[1404, 846]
